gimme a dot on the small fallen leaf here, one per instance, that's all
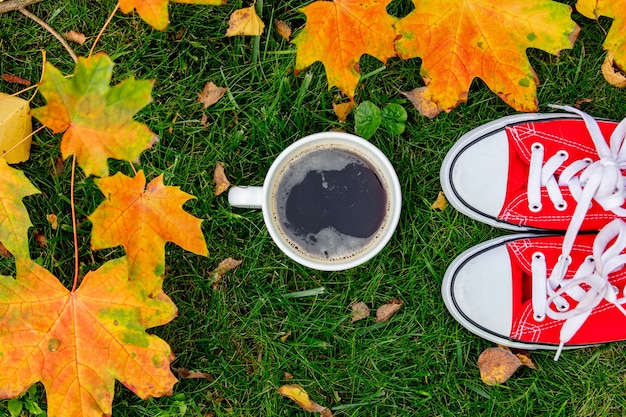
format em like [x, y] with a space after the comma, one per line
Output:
[612, 74]
[187, 374]
[342, 110]
[219, 177]
[245, 22]
[497, 365]
[387, 310]
[211, 94]
[285, 337]
[223, 267]
[76, 37]
[422, 101]
[440, 203]
[204, 120]
[40, 238]
[10, 78]
[582, 101]
[53, 220]
[283, 29]
[300, 396]
[360, 311]
[525, 359]
[288, 376]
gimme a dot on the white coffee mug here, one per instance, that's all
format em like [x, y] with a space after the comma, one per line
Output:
[331, 201]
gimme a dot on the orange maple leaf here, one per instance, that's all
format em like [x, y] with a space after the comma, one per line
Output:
[461, 40]
[154, 12]
[78, 343]
[338, 32]
[96, 118]
[13, 215]
[142, 219]
[615, 41]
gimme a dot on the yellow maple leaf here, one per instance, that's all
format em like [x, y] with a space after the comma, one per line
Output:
[615, 42]
[462, 40]
[154, 12]
[142, 218]
[78, 343]
[338, 32]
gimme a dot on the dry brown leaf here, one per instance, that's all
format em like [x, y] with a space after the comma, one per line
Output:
[4, 252]
[204, 120]
[211, 94]
[288, 376]
[40, 238]
[612, 74]
[440, 203]
[300, 396]
[387, 310]
[76, 37]
[10, 78]
[53, 220]
[497, 365]
[187, 374]
[223, 267]
[342, 110]
[245, 22]
[220, 180]
[421, 99]
[360, 311]
[526, 360]
[283, 29]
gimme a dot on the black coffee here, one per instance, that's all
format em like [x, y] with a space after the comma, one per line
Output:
[331, 204]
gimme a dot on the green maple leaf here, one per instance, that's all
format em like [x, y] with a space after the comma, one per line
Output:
[96, 118]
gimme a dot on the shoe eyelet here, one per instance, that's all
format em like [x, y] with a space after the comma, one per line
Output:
[568, 259]
[590, 258]
[563, 307]
[539, 317]
[561, 206]
[535, 208]
[536, 146]
[588, 160]
[563, 154]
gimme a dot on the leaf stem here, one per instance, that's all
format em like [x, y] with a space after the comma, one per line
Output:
[39, 129]
[117, 6]
[74, 224]
[53, 32]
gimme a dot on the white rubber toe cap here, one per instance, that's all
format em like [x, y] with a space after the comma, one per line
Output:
[475, 175]
[478, 290]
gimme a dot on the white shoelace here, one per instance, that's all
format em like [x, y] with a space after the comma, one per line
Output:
[593, 274]
[587, 180]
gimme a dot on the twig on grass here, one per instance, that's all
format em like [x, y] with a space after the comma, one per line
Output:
[49, 29]
[11, 5]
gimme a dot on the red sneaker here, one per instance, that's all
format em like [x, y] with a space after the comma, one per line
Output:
[509, 290]
[531, 172]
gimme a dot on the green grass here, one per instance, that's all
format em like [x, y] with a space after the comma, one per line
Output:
[419, 363]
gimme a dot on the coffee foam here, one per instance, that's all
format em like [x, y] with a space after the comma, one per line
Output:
[338, 247]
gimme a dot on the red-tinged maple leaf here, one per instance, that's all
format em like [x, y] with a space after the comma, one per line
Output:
[461, 40]
[142, 218]
[615, 41]
[78, 343]
[338, 32]
[96, 118]
[154, 12]
[14, 186]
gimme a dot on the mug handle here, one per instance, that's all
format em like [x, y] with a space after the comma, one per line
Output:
[246, 197]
